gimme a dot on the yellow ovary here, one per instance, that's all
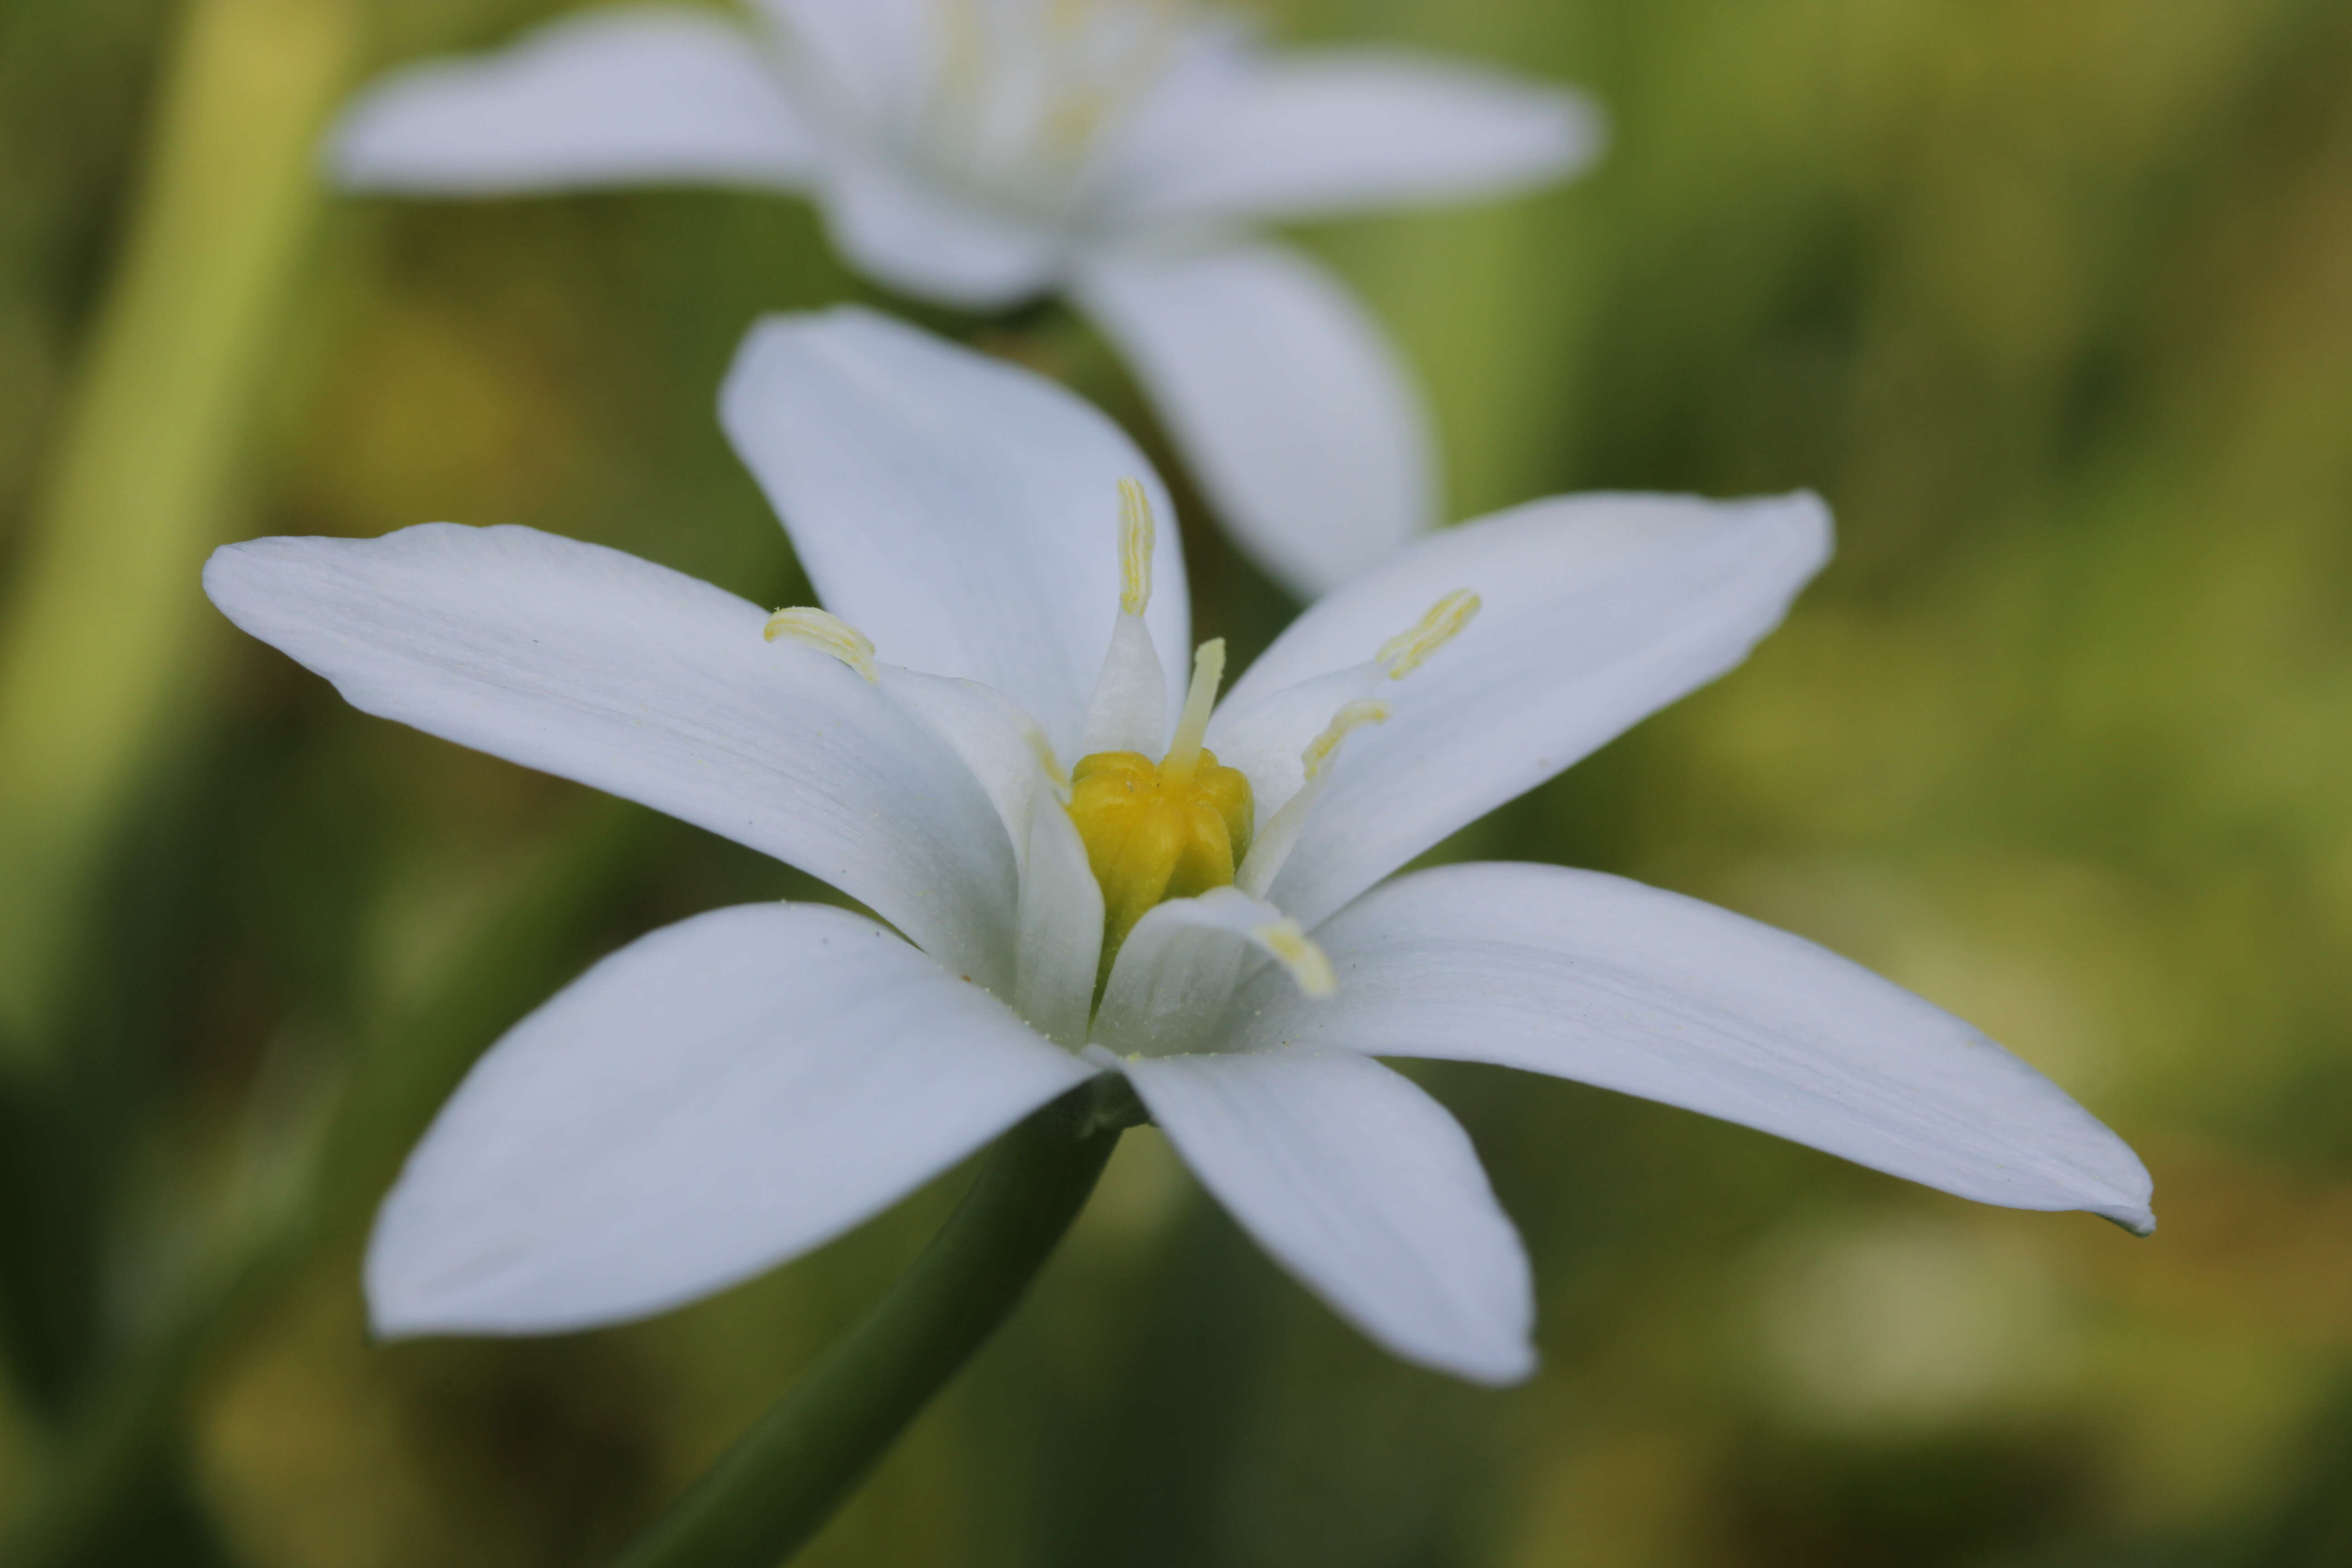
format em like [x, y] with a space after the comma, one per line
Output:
[1156, 832]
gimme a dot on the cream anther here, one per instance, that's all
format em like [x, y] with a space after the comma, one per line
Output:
[1138, 532]
[826, 633]
[1208, 673]
[1354, 715]
[1410, 649]
[1309, 965]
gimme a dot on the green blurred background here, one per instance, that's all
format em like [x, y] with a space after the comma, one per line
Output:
[2051, 298]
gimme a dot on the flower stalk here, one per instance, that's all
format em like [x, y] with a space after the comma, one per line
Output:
[96, 632]
[785, 1477]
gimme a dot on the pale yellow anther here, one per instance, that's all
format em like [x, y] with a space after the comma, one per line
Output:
[1138, 532]
[1410, 649]
[1354, 716]
[1309, 965]
[826, 634]
[1193, 725]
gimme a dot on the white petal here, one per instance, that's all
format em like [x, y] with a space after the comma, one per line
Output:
[874, 61]
[961, 511]
[988, 731]
[1344, 130]
[601, 668]
[609, 97]
[1598, 611]
[1363, 1187]
[905, 230]
[1061, 926]
[1305, 427]
[714, 1098]
[1176, 972]
[1602, 980]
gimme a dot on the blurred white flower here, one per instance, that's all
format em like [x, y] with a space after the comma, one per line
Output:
[733, 1090]
[984, 153]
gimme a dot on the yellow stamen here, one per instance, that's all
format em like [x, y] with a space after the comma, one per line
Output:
[1308, 964]
[1354, 715]
[827, 634]
[1410, 649]
[1137, 532]
[1208, 673]
[1271, 846]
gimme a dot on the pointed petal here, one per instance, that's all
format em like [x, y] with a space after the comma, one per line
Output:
[1605, 981]
[1365, 1189]
[1290, 404]
[1176, 972]
[1597, 611]
[599, 667]
[712, 1099]
[625, 96]
[961, 511]
[1345, 130]
[1061, 926]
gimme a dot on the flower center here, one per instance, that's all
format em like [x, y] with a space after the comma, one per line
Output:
[1026, 93]
[1172, 829]
[1180, 827]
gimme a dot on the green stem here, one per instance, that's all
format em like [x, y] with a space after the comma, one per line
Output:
[770, 1492]
[103, 626]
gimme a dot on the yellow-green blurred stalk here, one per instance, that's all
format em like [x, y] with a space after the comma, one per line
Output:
[105, 629]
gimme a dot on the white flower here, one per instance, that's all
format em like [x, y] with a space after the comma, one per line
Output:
[983, 152]
[730, 1091]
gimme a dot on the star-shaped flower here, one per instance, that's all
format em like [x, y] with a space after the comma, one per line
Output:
[984, 152]
[1092, 870]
